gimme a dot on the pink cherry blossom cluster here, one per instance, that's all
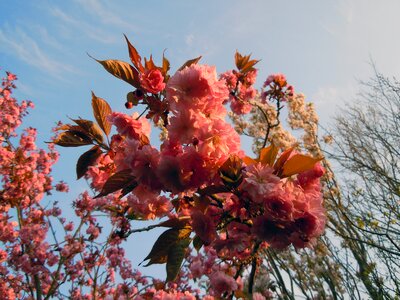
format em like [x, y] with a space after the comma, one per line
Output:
[199, 141]
[25, 173]
[11, 112]
[222, 209]
[278, 88]
[293, 210]
[37, 255]
[241, 90]
[234, 207]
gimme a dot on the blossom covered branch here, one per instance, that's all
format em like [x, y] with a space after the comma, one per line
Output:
[221, 209]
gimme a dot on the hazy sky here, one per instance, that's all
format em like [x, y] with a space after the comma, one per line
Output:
[323, 47]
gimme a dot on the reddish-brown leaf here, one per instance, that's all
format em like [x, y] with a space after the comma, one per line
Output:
[121, 70]
[184, 232]
[249, 161]
[149, 64]
[249, 66]
[240, 60]
[86, 160]
[202, 202]
[243, 62]
[90, 128]
[239, 294]
[165, 66]
[176, 222]
[134, 56]
[129, 188]
[65, 127]
[72, 138]
[116, 182]
[281, 160]
[189, 63]
[268, 155]
[213, 189]
[298, 163]
[101, 110]
[160, 258]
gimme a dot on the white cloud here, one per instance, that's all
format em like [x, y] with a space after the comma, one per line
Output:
[22, 46]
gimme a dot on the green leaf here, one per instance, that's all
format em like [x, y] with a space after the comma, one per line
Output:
[159, 251]
[167, 239]
[197, 243]
[86, 160]
[101, 110]
[176, 254]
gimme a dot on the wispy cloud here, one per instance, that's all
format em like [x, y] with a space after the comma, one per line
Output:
[92, 32]
[329, 99]
[45, 37]
[189, 39]
[105, 14]
[19, 44]
[346, 10]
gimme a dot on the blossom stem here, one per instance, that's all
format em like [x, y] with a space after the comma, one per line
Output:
[38, 287]
[142, 113]
[253, 267]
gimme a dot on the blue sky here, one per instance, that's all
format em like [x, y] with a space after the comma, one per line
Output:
[323, 47]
